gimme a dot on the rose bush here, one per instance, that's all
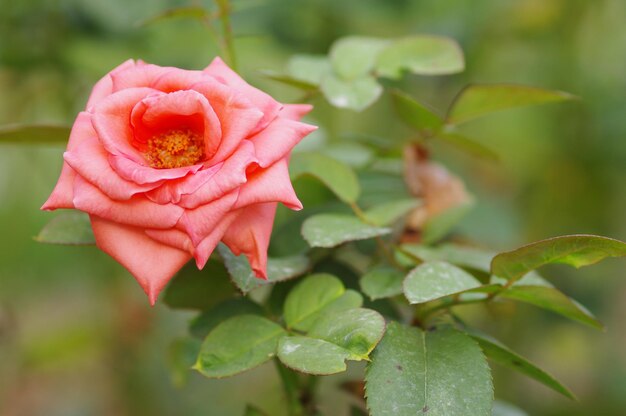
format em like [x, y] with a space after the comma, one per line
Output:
[169, 162]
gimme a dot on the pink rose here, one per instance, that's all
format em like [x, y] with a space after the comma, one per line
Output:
[169, 162]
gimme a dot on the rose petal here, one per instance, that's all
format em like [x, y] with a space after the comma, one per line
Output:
[198, 223]
[151, 263]
[139, 174]
[63, 193]
[139, 76]
[231, 175]
[173, 238]
[269, 185]
[276, 141]
[172, 190]
[137, 211]
[250, 235]
[104, 87]
[206, 246]
[269, 106]
[295, 111]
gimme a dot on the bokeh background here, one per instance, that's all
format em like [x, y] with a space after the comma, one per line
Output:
[77, 336]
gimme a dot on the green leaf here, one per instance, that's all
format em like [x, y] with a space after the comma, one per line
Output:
[278, 269]
[414, 113]
[356, 94]
[553, 300]
[354, 56]
[499, 353]
[421, 54]
[193, 12]
[330, 230]
[253, 411]
[337, 176]
[501, 408]
[198, 289]
[439, 225]
[350, 335]
[182, 355]
[288, 80]
[309, 297]
[382, 282]
[440, 373]
[238, 344]
[575, 250]
[470, 146]
[352, 154]
[430, 281]
[478, 100]
[34, 134]
[69, 228]
[209, 319]
[309, 68]
[389, 212]
[462, 256]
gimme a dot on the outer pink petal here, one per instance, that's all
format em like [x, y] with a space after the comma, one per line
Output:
[139, 76]
[90, 161]
[173, 238]
[231, 175]
[198, 223]
[269, 106]
[269, 185]
[172, 190]
[151, 263]
[295, 111]
[63, 192]
[104, 87]
[140, 174]
[276, 141]
[137, 211]
[111, 119]
[206, 246]
[250, 235]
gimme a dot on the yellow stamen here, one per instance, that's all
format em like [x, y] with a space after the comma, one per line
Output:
[175, 149]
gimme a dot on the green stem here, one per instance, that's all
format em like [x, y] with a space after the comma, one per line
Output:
[292, 389]
[228, 47]
[428, 313]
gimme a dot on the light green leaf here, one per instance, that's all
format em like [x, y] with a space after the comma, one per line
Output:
[553, 300]
[312, 355]
[356, 94]
[198, 289]
[289, 80]
[430, 281]
[478, 100]
[352, 154]
[382, 282]
[354, 56]
[501, 408]
[278, 269]
[337, 176]
[182, 355]
[420, 54]
[309, 297]
[462, 256]
[34, 134]
[193, 12]
[238, 344]
[309, 68]
[330, 230]
[439, 225]
[415, 114]
[69, 228]
[439, 373]
[389, 212]
[575, 250]
[499, 353]
[469, 145]
[209, 319]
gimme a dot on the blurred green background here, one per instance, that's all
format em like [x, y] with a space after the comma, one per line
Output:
[77, 336]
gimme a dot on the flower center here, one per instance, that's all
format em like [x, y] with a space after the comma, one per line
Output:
[175, 149]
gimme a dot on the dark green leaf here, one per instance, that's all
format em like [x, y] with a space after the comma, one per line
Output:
[356, 94]
[414, 113]
[337, 176]
[502, 355]
[420, 54]
[253, 411]
[434, 280]
[389, 212]
[34, 134]
[382, 282]
[209, 319]
[478, 100]
[469, 145]
[551, 299]
[354, 56]
[309, 297]
[330, 230]
[198, 289]
[312, 355]
[440, 373]
[278, 269]
[69, 228]
[575, 250]
[238, 344]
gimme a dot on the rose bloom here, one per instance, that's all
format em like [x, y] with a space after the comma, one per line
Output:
[169, 162]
